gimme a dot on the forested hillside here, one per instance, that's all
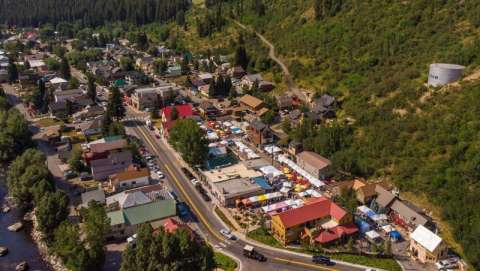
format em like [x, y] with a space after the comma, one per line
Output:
[89, 12]
[374, 56]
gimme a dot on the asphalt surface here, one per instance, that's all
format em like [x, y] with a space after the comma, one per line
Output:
[208, 222]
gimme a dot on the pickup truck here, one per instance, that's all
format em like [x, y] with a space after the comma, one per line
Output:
[250, 252]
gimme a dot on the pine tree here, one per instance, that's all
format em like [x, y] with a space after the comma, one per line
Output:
[12, 72]
[92, 89]
[65, 68]
[115, 107]
[241, 57]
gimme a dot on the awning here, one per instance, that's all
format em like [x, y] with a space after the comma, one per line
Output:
[270, 171]
[316, 182]
[372, 235]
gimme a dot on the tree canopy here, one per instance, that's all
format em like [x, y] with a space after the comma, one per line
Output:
[189, 139]
[160, 250]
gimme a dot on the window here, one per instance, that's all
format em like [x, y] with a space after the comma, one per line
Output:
[134, 182]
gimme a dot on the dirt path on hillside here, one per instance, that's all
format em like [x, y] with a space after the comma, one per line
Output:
[292, 87]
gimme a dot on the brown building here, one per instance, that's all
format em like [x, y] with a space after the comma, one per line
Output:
[314, 164]
[252, 103]
[259, 133]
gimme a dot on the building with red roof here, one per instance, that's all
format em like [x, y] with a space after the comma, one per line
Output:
[327, 236]
[184, 111]
[318, 214]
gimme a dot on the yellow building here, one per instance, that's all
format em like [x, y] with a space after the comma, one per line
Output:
[322, 213]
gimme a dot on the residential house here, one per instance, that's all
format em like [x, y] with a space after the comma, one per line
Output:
[114, 163]
[144, 98]
[57, 109]
[236, 72]
[206, 77]
[384, 199]
[253, 104]
[171, 225]
[184, 111]
[365, 192]
[259, 133]
[89, 112]
[295, 147]
[174, 71]
[137, 196]
[407, 215]
[322, 214]
[3, 76]
[249, 80]
[64, 95]
[130, 178]
[97, 195]
[58, 83]
[284, 101]
[91, 127]
[315, 164]
[426, 246]
[208, 110]
[124, 222]
[145, 63]
[103, 147]
[322, 108]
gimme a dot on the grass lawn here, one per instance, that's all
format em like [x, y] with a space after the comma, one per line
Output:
[263, 236]
[46, 122]
[386, 264]
[224, 218]
[224, 262]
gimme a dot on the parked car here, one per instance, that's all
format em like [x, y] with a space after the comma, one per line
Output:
[203, 193]
[160, 174]
[228, 234]
[319, 259]
[183, 209]
[85, 176]
[69, 174]
[195, 182]
[187, 173]
[250, 252]
[450, 263]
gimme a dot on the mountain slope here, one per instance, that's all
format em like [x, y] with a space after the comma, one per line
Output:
[374, 56]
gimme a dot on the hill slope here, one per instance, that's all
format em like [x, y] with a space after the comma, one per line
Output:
[374, 56]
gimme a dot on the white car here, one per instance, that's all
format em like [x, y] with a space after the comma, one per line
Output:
[132, 239]
[228, 234]
[195, 182]
[160, 174]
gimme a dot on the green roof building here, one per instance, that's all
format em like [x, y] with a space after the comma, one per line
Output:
[125, 221]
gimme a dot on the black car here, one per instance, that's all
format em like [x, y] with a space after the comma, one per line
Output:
[203, 193]
[319, 259]
[187, 173]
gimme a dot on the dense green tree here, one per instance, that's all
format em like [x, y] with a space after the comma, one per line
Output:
[189, 139]
[167, 251]
[91, 87]
[115, 107]
[96, 226]
[51, 211]
[36, 12]
[65, 68]
[12, 71]
[75, 161]
[241, 57]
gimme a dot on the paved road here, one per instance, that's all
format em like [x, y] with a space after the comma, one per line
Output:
[208, 221]
[292, 87]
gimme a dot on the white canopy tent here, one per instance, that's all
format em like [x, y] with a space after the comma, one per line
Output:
[316, 182]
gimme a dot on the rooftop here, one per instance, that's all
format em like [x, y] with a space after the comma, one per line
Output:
[251, 101]
[426, 238]
[314, 159]
[130, 173]
[232, 172]
[237, 187]
[320, 208]
[143, 213]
